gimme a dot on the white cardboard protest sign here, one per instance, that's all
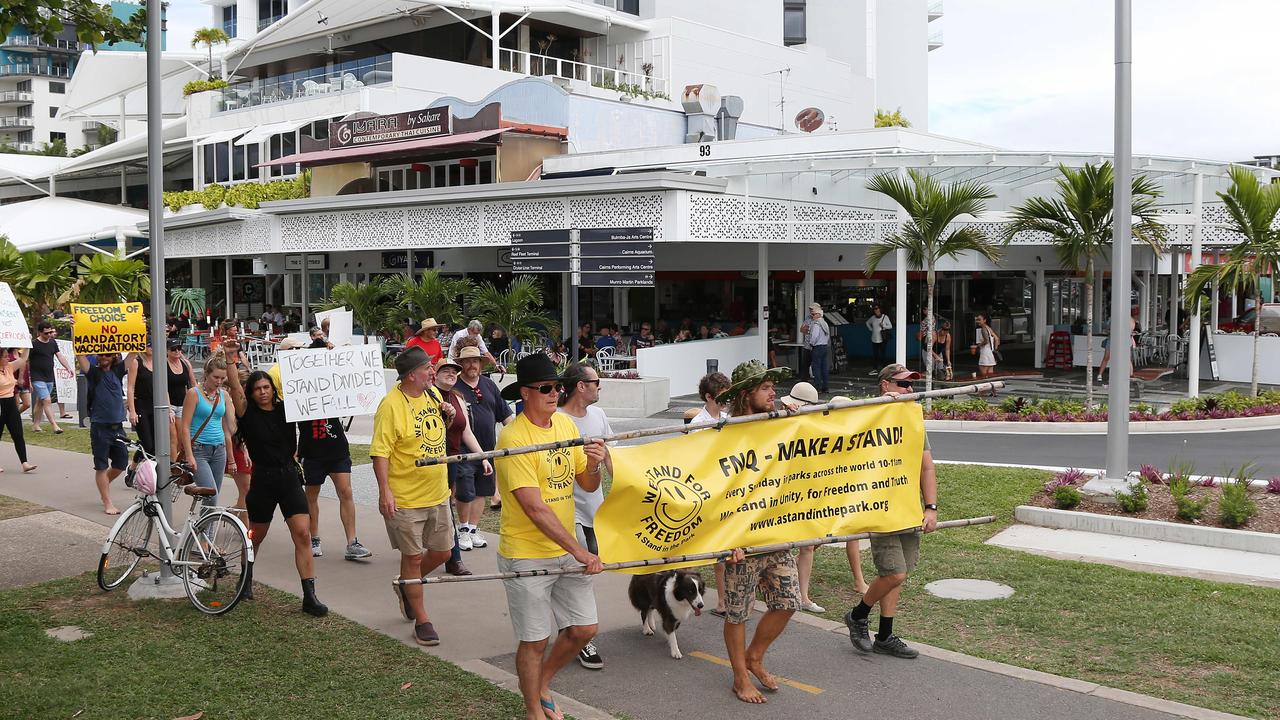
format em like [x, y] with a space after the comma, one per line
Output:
[68, 390]
[14, 332]
[324, 383]
[341, 324]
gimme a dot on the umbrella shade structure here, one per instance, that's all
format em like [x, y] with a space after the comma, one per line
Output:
[57, 222]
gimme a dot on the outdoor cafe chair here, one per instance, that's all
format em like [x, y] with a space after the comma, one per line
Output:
[604, 359]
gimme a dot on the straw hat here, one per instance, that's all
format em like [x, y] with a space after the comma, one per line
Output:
[445, 362]
[750, 374]
[291, 344]
[428, 324]
[802, 394]
[469, 351]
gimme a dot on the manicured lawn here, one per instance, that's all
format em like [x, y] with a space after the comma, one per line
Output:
[72, 438]
[13, 507]
[265, 659]
[1203, 643]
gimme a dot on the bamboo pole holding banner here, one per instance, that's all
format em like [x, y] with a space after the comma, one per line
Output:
[717, 424]
[716, 555]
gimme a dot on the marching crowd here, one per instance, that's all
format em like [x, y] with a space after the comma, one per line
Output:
[231, 421]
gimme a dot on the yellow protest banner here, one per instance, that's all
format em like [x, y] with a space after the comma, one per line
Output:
[117, 328]
[776, 481]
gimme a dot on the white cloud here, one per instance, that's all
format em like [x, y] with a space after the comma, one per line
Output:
[184, 17]
[1039, 75]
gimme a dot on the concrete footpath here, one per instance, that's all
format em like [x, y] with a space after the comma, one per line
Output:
[639, 680]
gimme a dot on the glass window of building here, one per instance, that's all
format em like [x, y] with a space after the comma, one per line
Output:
[57, 88]
[229, 20]
[794, 24]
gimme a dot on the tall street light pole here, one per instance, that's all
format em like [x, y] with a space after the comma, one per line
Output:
[155, 232]
[1121, 253]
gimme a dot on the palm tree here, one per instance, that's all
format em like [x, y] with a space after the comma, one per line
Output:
[187, 300]
[371, 304]
[885, 118]
[1079, 223]
[929, 236]
[109, 279]
[432, 295]
[1252, 207]
[518, 311]
[209, 37]
[44, 278]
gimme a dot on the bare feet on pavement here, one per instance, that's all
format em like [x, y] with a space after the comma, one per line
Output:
[746, 691]
[756, 667]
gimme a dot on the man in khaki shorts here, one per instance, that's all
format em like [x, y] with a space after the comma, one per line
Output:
[538, 533]
[414, 501]
[894, 555]
[774, 575]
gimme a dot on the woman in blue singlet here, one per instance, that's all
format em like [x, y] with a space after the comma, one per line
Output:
[207, 426]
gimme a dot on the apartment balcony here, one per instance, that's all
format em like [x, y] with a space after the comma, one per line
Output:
[90, 126]
[935, 10]
[631, 7]
[935, 40]
[16, 97]
[634, 83]
[31, 43]
[26, 147]
[29, 69]
[338, 78]
[17, 123]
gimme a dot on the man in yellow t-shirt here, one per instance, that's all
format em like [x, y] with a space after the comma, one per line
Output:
[414, 501]
[538, 533]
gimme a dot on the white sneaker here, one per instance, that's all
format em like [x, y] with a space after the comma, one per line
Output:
[477, 539]
[464, 539]
[811, 606]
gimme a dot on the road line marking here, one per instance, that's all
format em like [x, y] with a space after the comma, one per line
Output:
[785, 681]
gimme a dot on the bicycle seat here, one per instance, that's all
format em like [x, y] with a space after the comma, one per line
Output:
[197, 491]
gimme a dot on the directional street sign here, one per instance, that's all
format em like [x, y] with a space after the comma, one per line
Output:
[615, 279]
[539, 265]
[521, 237]
[618, 264]
[539, 252]
[635, 234]
[617, 249]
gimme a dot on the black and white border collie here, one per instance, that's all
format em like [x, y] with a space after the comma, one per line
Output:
[671, 595]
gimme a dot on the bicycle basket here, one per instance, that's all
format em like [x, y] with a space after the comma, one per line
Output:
[144, 478]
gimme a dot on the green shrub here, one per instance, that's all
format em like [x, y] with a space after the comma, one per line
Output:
[1060, 406]
[212, 196]
[1134, 501]
[1066, 497]
[1185, 406]
[175, 200]
[196, 86]
[1143, 408]
[1235, 507]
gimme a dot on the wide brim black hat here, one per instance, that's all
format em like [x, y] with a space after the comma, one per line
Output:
[530, 369]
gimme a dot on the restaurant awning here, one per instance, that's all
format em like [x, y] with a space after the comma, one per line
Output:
[262, 132]
[390, 149]
[58, 222]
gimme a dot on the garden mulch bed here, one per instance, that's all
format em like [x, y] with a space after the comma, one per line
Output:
[1160, 506]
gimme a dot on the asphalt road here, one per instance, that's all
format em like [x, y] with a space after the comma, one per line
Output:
[829, 680]
[1211, 453]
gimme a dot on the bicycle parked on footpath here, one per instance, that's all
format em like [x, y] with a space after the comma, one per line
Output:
[214, 555]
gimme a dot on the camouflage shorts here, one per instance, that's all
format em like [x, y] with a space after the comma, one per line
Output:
[773, 575]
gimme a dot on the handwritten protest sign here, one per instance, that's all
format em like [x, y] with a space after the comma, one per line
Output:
[14, 332]
[117, 328]
[843, 472]
[325, 383]
[66, 379]
[341, 322]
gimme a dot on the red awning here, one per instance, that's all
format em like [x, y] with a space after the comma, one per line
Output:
[376, 151]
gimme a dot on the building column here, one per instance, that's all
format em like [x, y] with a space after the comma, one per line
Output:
[495, 22]
[807, 295]
[900, 307]
[1175, 291]
[1144, 299]
[1039, 317]
[1213, 297]
[246, 19]
[566, 322]
[762, 300]
[1193, 334]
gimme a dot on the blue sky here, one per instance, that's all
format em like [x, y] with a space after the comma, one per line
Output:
[1038, 74]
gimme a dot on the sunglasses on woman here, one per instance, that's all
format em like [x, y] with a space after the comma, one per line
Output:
[546, 389]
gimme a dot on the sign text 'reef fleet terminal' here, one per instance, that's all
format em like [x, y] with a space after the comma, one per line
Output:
[380, 129]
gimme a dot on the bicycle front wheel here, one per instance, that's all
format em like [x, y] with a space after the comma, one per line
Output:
[126, 546]
[215, 563]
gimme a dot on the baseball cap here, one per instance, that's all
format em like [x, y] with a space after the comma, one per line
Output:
[889, 371]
